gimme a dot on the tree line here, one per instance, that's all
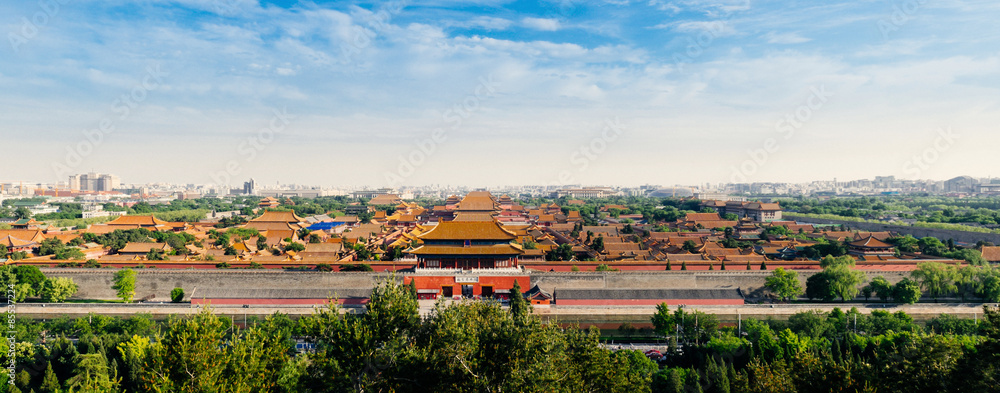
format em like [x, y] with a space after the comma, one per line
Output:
[484, 347]
[459, 347]
[839, 280]
[832, 352]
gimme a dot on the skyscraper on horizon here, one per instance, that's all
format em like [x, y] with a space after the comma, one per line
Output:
[94, 182]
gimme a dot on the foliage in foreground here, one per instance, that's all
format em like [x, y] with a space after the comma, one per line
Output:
[464, 347]
[482, 347]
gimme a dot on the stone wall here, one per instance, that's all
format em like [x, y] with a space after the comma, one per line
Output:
[751, 283]
[96, 283]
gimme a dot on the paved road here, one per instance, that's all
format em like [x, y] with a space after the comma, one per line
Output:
[569, 314]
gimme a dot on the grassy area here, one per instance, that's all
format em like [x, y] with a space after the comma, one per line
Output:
[190, 215]
[934, 225]
[79, 222]
[954, 227]
[831, 217]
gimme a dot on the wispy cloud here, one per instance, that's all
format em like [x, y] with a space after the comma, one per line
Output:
[542, 24]
[785, 38]
[363, 85]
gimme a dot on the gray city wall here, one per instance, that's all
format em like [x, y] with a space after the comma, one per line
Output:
[96, 283]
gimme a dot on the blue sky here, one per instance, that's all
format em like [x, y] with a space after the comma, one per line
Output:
[486, 93]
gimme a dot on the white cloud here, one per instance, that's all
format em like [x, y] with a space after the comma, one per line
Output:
[541, 24]
[234, 69]
[708, 7]
[716, 28]
[482, 22]
[785, 38]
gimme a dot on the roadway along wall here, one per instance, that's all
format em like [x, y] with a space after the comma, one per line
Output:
[96, 283]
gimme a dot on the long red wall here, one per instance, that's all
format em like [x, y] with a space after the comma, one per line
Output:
[648, 302]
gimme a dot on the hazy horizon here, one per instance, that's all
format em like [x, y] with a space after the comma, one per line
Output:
[494, 92]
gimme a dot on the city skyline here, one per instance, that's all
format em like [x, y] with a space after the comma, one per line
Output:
[685, 92]
[107, 182]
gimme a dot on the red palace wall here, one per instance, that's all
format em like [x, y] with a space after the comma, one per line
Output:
[376, 266]
[649, 302]
[701, 266]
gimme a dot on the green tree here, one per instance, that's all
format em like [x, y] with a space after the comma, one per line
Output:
[690, 246]
[24, 291]
[979, 370]
[668, 380]
[92, 375]
[222, 240]
[177, 295]
[989, 284]
[562, 253]
[187, 358]
[50, 383]
[124, 284]
[843, 279]
[57, 290]
[881, 287]
[598, 244]
[68, 253]
[22, 213]
[967, 281]
[155, 254]
[519, 306]
[818, 286]
[936, 278]
[296, 247]
[411, 287]
[28, 274]
[360, 267]
[784, 283]
[50, 246]
[906, 291]
[867, 292]
[663, 320]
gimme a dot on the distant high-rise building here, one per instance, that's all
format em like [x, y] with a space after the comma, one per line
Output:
[94, 182]
[250, 187]
[885, 181]
[961, 184]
